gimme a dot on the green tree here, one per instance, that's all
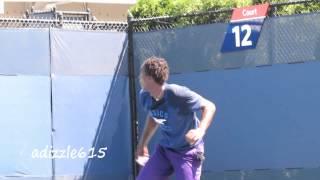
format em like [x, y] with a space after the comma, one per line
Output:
[154, 8]
[294, 8]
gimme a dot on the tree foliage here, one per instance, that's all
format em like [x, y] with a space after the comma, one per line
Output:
[154, 8]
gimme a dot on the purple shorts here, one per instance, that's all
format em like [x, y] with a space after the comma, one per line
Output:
[185, 164]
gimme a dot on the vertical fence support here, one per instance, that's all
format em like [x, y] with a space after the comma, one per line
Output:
[132, 93]
[53, 177]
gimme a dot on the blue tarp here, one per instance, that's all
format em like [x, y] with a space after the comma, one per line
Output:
[25, 103]
[25, 126]
[70, 96]
[86, 113]
[24, 52]
[267, 118]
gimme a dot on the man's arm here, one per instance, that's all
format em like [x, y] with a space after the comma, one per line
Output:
[150, 128]
[208, 110]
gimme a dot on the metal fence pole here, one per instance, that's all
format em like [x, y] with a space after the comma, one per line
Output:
[132, 93]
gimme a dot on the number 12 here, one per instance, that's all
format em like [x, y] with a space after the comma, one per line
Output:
[245, 41]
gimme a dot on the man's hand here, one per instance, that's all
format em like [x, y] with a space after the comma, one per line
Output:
[142, 150]
[194, 135]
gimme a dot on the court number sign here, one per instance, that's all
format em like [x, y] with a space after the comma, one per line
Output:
[245, 41]
[244, 29]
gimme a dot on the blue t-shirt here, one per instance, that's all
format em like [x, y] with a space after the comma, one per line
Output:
[175, 113]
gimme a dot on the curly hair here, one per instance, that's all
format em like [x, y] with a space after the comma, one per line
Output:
[157, 68]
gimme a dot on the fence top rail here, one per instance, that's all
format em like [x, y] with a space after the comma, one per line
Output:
[11, 22]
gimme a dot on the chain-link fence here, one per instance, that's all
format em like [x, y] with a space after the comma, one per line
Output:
[294, 7]
[220, 16]
[64, 24]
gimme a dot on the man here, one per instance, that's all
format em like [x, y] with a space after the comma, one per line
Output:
[172, 108]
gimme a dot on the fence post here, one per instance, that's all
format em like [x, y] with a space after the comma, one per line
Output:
[132, 93]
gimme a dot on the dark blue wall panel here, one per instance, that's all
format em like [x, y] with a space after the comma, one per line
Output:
[77, 109]
[114, 132]
[85, 53]
[266, 117]
[90, 104]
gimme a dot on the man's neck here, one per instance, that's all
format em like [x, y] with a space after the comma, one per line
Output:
[159, 94]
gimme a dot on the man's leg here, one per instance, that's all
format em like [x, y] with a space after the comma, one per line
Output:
[157, 168]
[187, 164]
